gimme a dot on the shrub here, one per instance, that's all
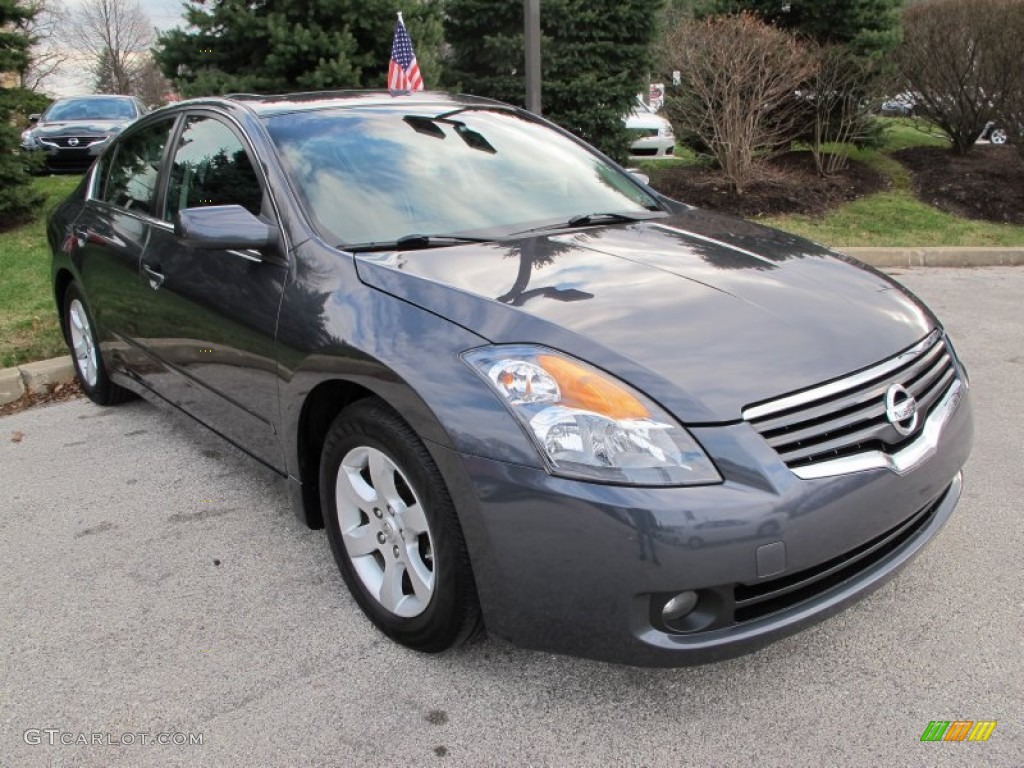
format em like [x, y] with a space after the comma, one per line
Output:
[841, 107]
[738, 93]
[960, 59]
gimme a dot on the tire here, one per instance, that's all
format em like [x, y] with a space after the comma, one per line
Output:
[394, 530]
[80, 335]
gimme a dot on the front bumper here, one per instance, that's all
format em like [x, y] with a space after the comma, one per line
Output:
[653, 146]
[582, 568]
[67, 159]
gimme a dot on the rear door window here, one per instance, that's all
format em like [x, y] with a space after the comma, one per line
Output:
[131, 174]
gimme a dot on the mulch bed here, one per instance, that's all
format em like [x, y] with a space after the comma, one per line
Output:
[790, 184]
[987, 183]
[55, 394]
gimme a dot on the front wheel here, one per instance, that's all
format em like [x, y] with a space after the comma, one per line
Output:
[998, 136]
[85, 351]
[394, 531]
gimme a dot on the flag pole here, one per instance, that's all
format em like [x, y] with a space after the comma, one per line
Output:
[531, 30]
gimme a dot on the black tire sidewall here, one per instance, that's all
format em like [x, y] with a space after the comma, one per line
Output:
[370, 423]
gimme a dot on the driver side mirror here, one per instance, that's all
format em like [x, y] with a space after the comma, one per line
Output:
[34, 118]
[223, 227]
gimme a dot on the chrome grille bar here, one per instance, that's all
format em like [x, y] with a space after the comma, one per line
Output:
[846, 418]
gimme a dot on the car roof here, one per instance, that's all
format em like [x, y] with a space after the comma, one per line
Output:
[269, 105]
[91, 96]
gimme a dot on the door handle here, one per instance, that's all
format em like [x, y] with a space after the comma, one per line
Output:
[81, 235]
[156, 278]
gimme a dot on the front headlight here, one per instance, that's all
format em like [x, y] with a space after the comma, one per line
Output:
[587, 424]
[27, 139]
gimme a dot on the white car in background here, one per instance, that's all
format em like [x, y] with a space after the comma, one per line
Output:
[653, 134]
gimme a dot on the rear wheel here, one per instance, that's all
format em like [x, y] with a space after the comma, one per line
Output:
[394, 531]
[85, 352]
[998, 136]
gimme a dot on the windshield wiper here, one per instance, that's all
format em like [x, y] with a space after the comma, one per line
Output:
[586, 219]
[414, 242]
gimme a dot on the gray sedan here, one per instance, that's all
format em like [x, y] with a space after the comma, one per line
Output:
[518, 387]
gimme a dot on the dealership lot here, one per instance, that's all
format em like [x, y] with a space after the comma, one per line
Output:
[155, 581]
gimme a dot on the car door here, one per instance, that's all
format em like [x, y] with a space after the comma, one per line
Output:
[216, 310]
[111, 233]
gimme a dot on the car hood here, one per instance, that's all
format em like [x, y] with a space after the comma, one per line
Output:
[641, 120]
[79, 128]
[705, 313]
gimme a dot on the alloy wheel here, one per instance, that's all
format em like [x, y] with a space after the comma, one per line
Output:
[83, 344]
[385, 531]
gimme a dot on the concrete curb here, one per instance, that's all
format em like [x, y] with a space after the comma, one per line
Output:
[34, 377]
[952, 256]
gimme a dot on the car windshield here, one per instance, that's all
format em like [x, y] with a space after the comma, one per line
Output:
[376, 175]
[91, 109]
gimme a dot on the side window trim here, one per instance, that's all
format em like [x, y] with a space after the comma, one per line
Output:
[181, 119]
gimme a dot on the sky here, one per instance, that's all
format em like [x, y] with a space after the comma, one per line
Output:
[163, 14]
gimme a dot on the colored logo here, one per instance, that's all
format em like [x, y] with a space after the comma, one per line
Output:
[958, 730]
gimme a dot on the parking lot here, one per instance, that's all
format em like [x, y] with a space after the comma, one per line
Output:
[155, 581]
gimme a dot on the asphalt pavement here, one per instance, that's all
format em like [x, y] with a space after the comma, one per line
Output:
[155, 585]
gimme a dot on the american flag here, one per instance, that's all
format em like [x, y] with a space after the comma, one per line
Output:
[403, 72]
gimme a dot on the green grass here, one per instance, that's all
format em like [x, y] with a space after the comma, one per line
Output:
[903, 133]
[896, 218]
[28, 319]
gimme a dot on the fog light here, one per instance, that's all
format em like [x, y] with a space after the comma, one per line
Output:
[679, 606]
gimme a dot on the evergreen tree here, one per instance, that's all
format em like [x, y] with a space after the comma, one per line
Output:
[103, 74]
[268, 46]
[865, 27]
[17, 200]
[595, 58]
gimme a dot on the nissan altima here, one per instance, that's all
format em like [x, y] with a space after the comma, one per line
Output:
[518, 387]
[72, 132]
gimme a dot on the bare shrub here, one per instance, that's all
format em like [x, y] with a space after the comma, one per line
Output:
[842, 105]
[959, 58]
[1012, 115]
[737, 95]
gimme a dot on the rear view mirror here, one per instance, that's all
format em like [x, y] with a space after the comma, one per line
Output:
[223, 227]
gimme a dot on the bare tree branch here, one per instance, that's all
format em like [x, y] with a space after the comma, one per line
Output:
[116, 35]
[47, 30]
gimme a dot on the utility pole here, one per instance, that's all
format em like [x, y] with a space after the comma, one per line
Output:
[531, 27]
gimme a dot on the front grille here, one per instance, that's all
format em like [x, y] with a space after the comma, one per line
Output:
[848, 416]
[71, 142]
[756, 600]
[644, 133]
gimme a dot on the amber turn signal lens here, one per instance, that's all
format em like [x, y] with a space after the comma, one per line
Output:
[583, 389]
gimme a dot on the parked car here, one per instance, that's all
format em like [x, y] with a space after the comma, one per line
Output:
[994, 133]
[512, 381]
[653, 135]
[901, 105]
[73, 131]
